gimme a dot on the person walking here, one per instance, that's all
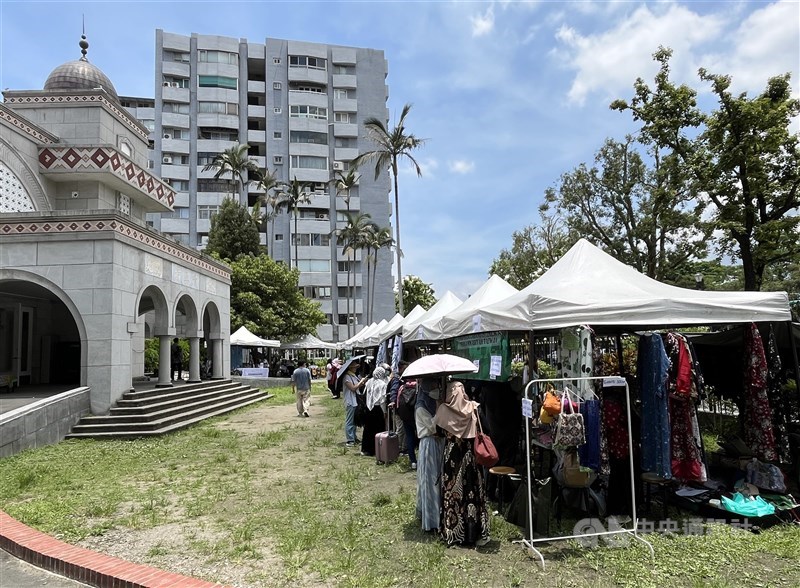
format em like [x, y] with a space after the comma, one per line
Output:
[301, 386]
[176, 358]
[333, 368]
[352, 383]
[375, 419]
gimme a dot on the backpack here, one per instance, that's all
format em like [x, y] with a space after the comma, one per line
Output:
[406, 399]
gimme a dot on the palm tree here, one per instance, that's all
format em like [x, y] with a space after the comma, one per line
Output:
[237, 163]
[345, 182]
[266, 180]
[390, 147]
[292, 196]
[351, 238]
[381, 238]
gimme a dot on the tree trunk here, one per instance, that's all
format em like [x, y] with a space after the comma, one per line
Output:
[295, 238]
[397, 240]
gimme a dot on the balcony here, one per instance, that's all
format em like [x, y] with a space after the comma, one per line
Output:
[308, 99]
[345, 130]
[178, 121]
[170, 94]
[175, 68]
[302, 74]
[345, 153]
[254, 87]
[175, 172]
[345, 105]
[313, 149]
[256, 137]
[256, 111]
[219, 121]
[344, 81]
[174, 146]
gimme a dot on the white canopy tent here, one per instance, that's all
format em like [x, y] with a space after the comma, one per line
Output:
[308, 342]
[245, 338]
[450, 325]
[445, 304]
[384, 333]
[588, 286]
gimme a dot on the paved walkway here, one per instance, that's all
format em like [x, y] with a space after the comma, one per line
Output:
[82, 565]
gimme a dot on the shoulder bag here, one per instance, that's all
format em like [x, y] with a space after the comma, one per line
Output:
[570, 431]
[485, 452]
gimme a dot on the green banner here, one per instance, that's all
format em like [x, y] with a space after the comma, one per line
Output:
[489, 351]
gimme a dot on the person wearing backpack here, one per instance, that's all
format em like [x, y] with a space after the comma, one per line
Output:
[404, 397]
[332, 368]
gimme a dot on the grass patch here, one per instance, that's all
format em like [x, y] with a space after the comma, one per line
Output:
[286, 504]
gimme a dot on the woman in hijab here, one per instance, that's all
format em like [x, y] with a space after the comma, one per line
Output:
[429, 460]
[375, 420]
[465, 516]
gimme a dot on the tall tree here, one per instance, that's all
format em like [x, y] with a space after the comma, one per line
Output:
[344, 183]
[377, 238]
[534, 249]
[235, 162]
[352, 238]
[291, 197]
[645, 216]
[270, 201]
[233, 232]
[266, 299]
[415, 292]
[391, 146]
[745, 159]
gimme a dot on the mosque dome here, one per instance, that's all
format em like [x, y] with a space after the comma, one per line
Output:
[80, 75]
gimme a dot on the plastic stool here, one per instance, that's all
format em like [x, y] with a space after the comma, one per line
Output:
[503, 472]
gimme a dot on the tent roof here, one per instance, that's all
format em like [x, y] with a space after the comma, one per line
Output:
[308, 342]
[245, 338]
[387, 331]
[444, 305]
[452, 324]
[588, 286]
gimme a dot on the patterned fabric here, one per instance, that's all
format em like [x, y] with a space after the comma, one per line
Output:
[652, 371]
[777, 400]
[575, 358]
[464, 516]
[615, 421]
[758, 432]
[429, 468]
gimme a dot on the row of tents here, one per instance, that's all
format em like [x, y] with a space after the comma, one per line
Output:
[585, 286]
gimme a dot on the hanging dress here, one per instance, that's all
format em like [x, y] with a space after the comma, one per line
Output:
[652, 371]
[777, 400]
[758, 433]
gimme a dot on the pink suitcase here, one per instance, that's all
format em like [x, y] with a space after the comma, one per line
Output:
[387, 447]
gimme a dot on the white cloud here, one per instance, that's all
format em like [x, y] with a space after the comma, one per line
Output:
[483, 24]
[460, 166]
[609, 61]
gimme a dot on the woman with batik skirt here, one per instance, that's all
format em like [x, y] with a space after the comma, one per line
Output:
[465, 514]
[429, 458]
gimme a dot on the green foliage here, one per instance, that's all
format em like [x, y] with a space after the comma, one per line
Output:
[416, 292]
[265, 298]
[233, 232]
[233, 162]
[151, 356]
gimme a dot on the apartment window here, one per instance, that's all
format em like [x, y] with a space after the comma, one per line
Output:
[173, 133]
[206, 56]
[206, 211]
[218, 107]
[343, 93]
[304, 111]
[277, 85]
[278, 237]
[218, 82]
[307, 62]
[278, 135]
[313, 213]
[308, 137]
[179, 212]
[173, 82]
[344, 69]
[344, 266]
[309, 162]
[212, 185]
[216, 134]
[204, 158]
[348, 142]
[316, 291]
[301, 239]
[318, 187]
[311, 240]
[176, 107]
[277, 159]
[314, 265]
[276, 60]
[180, 185]
[344, 117]
[277, 110]
[178, 56]
[345, 319]
[150, 124]
[307, 88]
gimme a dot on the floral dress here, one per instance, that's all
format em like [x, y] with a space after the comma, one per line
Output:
[758, 433]
[465, 514]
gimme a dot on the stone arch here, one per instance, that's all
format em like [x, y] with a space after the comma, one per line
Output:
[28, 177]
[212, 323]
[152, 299]
[186, 303]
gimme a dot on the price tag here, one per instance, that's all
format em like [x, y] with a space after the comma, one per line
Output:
[527, 408]
[613, 382]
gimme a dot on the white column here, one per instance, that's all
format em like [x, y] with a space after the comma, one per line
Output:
[164, 362]
[194, 359]
[216, 368]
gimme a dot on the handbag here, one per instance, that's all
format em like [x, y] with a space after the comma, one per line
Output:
[485, 452]
[573, 475]
[551, 403]
[570, 431]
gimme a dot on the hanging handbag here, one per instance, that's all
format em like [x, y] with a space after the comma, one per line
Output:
[570, 431]
[551, 402]
[485, 452]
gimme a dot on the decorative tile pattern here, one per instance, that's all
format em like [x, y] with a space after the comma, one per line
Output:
[64, 225]
[54, 158]
[25, 126]
[121, 113]
[13, 195]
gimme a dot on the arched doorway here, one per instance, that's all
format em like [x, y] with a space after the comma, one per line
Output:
[215, 348]
[153, 320]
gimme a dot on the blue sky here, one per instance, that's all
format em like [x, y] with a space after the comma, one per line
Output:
[510, 95]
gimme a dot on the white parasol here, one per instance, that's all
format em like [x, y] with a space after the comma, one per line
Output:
[440, 364]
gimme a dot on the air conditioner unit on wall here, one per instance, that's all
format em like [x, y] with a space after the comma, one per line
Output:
[167, 136]
[176, 85]
[166, 159]
[338, 166]
[167, 84]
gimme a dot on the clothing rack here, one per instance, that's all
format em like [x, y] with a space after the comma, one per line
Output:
[608, 381]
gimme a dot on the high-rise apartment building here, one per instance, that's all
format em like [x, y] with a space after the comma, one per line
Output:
[300, 107]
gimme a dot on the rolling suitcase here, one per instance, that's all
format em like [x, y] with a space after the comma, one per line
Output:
[387, 445]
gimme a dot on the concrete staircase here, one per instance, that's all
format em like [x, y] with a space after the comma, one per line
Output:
[155, 411]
